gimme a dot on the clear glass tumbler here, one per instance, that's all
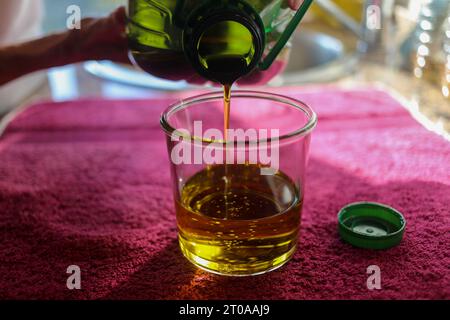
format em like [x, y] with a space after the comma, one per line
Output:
[238, 198]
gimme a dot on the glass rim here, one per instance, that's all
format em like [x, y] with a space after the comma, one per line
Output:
[211, 96]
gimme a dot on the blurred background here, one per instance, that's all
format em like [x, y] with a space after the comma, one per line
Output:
[54, 21]
[402, 46]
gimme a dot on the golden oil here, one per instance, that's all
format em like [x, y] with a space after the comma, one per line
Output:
[232, 220]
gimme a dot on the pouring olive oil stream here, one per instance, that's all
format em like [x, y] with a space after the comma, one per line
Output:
[230, 219]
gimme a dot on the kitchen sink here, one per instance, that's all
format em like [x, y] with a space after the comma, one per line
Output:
[317, 57]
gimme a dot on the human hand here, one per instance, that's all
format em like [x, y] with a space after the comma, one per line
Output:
[99, 39]
[295, 4]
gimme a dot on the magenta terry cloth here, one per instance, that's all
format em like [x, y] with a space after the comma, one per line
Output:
[87, 183]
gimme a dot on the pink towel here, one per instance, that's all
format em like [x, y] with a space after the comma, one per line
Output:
[87, 183]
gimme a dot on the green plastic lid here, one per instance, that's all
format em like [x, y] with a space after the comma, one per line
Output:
[371, 225]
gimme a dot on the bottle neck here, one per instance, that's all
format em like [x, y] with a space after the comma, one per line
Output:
[224, 42]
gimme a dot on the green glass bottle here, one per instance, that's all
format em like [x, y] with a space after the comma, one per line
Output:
[218, 40]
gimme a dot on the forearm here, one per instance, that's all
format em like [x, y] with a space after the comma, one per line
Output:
[43, 53]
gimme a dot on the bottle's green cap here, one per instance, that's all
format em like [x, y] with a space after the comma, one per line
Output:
[371, 225]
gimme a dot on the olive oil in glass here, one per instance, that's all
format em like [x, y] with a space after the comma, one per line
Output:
[231, 219]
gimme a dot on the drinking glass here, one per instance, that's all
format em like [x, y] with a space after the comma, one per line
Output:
[238, 198]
